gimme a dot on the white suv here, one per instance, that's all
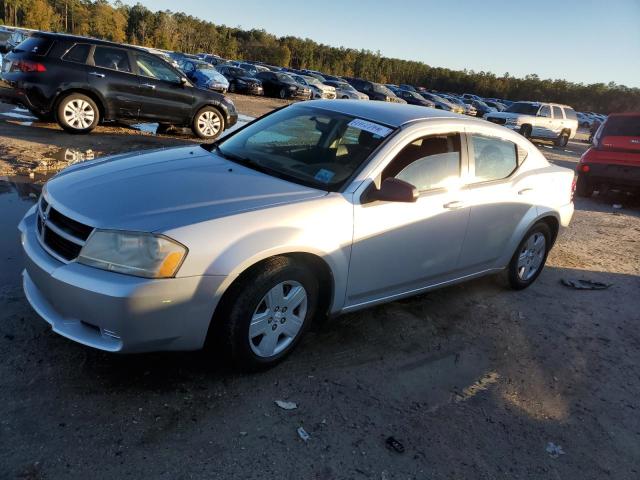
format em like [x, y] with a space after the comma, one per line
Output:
[539, 120]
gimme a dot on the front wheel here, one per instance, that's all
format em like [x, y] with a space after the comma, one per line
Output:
[208, 123]
[77, 113]
[562, 140]
[283, 93]
[271, 309]
[529, 259]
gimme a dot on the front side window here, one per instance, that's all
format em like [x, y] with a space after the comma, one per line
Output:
[570, 113]
[153, 67]
[545, 111]
[78, 53]
[557, 112]
[306, 145]
[111, 58]
[428, 163]
[494, 158]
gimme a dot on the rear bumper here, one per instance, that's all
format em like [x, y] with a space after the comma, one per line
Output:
[114, 312]
[612, 175]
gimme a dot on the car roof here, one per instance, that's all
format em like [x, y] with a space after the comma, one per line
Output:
[389, 113]
[79, 38]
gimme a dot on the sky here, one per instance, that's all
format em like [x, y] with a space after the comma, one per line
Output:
[585, 41]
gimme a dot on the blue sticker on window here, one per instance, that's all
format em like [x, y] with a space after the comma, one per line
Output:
[324, 175]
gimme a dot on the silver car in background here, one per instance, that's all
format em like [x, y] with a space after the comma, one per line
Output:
[316, 209]
[346, 91]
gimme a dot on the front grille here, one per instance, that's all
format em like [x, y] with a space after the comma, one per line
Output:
[60, 235]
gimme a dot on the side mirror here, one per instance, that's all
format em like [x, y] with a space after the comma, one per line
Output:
[183, 81]
[392, 190]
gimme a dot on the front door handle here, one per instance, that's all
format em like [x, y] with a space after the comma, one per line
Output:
[454, 205]
[149, 86]
[525, 190]
[97, 74]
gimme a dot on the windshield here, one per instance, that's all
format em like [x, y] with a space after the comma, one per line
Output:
[285, 78]
[310, 146]
[623, 126]
[523, 107]
[382, 89]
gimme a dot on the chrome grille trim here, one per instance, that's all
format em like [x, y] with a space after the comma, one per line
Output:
[46, 224]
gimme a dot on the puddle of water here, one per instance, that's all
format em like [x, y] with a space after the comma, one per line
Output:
[146, 127]
[72, 155]
[153, 127]
[17, 195]
[19, 116]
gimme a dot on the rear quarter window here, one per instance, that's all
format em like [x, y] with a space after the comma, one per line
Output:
[35, 45]
[570, 114]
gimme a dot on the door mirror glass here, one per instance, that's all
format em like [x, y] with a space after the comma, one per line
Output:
[392, 190]
[183, 81]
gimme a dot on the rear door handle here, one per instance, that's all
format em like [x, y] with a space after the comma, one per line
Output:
[453, 205]
[149, 86]
[96, 74]
[525, 190]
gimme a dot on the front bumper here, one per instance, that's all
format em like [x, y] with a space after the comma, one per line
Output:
[115, 312]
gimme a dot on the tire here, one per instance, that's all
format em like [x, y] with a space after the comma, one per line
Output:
[283, 93]
[77, 113]
[232, 87]
[208, 123]
[525, 131]
[530, 256]
[344, 97]
[583, 187]
[562, 140]
[257, 344]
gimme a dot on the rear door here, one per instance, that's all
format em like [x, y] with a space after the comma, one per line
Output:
[110, 73]
[558, 120]
[163, 97]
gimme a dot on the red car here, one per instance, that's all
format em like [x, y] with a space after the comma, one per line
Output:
[614, 159]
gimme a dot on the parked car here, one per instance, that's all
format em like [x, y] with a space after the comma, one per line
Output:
[319, 90]
[584, 120]
[497, 106]
[442, 103]
[481, 108]
[346, 91]
[204, 75]
[411, 88]
[413, 98]
[613, 161]
[469, 109]
[317, 209]
[282, 85]
[240, 80]
[375, 91]
[471, 97]
[548, 121]
[82, 82]
[214, 60]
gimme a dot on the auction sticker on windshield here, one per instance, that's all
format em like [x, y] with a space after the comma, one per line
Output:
[370, 127]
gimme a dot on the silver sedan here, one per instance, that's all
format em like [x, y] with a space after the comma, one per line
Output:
[320, 208]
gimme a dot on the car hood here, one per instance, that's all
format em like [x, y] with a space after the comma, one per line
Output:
[163, 189]
[497, 114]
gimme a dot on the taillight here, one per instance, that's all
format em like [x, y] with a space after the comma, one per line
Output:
[584, 168]
[27, 66]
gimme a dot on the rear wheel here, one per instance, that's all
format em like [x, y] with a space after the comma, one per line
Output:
[271, 309]
[232, 87]
[529, 259]
[563, 139]
[77, 113]
[208, 123]
[583, 187]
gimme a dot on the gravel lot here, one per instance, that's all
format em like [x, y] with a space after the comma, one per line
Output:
[474, 380]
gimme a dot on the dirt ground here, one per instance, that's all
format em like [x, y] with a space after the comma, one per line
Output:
[476, 381]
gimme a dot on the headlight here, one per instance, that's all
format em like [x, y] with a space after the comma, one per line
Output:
[133, 253]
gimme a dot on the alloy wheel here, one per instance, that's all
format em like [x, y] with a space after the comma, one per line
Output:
[79, 114]
[531, 256]
[209, 123]
[278, 318]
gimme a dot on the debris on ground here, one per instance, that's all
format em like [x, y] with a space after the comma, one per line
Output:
[302, 433]
[286, 405]
[580, 284]
[395, 445]
[554, 450]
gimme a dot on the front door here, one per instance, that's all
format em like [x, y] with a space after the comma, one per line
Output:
[403, 247]
[163, 97]
[109, 72]
[543, 127]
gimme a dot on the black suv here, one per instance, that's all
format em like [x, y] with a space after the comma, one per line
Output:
[277, 84]
[81, 82]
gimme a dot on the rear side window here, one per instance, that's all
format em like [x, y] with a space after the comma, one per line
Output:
[623, 126]
[570, 114]
[78, 53]
[557, 112]
[112, 58]
[494, 158]
[35, 45]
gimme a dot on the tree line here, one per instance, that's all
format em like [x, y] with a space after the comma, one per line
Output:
[180, 32]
